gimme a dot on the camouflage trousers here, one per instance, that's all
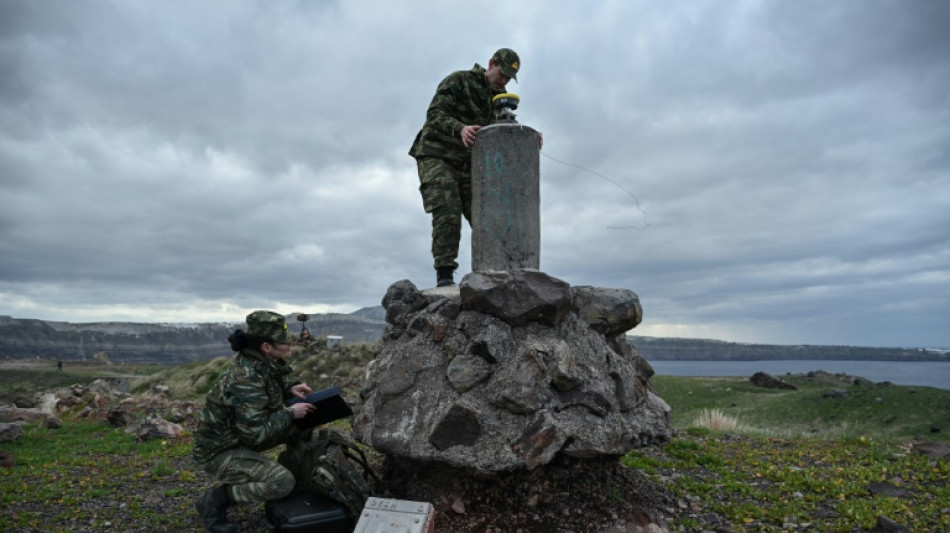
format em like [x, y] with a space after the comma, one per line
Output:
[447, 195]
[253, 478]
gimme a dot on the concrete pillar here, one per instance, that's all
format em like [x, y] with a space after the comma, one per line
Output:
[506, 217]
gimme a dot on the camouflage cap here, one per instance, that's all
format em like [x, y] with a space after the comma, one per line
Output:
[508, 60]
[268, 325]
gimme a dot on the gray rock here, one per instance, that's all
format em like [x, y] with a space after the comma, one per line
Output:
[934, 450]
[47, 401]
[889, 490]
[16, 414]
[886, 525]
[501, 376]
[608, 311]
[834, 393]
[761, 379]
[119, 418]
[10, 432]
[516, 297]
[155, 428]
[401, 299]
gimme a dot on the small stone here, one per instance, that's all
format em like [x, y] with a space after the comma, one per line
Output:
[7, 460]
[458, 507]
[886, 489]
[886, 525]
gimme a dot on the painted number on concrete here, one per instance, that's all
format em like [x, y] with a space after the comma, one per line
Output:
[500, 219]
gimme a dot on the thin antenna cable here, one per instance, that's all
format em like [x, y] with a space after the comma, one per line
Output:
[619, 186]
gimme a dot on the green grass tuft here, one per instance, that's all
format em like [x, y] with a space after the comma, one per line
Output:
[892, 413]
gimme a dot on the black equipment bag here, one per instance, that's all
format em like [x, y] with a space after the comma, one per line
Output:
[306, 512]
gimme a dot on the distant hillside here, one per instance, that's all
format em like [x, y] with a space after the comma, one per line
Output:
[671, 349]
[181, 343]
[155, 343]
[376, 312]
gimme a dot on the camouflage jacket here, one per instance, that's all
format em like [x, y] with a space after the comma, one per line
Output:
[245, 407]
[463, 98]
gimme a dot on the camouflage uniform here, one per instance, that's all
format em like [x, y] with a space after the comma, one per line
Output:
[462, 99]
[245, 414]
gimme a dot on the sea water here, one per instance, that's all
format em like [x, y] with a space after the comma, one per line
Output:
[926, 374]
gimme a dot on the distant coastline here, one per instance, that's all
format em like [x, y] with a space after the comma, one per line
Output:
[679, 349]
[915, 373]
[181, 343]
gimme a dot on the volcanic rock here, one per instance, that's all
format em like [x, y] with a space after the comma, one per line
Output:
[508, 373]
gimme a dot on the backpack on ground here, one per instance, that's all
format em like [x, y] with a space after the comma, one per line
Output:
[325, 463]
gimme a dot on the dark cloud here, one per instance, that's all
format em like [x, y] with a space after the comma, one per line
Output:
[768, 172]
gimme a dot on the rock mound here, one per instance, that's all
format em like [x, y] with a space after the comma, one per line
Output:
[510, 371]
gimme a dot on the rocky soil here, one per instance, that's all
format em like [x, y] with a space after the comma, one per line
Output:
[565, 496]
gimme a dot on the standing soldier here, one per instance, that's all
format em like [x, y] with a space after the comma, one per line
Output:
[460, 107]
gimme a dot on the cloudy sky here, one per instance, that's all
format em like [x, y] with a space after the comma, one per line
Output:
[756, 171]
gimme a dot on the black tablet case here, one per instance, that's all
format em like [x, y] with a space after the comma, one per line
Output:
[330, 406]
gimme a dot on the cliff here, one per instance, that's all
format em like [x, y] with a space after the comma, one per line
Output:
[131, 342]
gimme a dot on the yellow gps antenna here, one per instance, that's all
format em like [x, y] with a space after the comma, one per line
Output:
[505, 105]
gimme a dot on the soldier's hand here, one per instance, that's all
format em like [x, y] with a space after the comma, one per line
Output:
[301, 390]
[468, 135]
[302, 409]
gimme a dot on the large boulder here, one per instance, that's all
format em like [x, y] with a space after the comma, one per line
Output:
[768, 381]
[517, 297]
[608, 311]
[25, 415]
[507, 373]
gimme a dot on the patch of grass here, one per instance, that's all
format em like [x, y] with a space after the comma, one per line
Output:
[188, 381]
[318, 366]
[762, 484]
[800, 457]
[716, 420]
[892, 413]
[58, 472]
[162, 469]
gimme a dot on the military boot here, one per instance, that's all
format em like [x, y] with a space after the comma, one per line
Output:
[213, 508]
[443, 276]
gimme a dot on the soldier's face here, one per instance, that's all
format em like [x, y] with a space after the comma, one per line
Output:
[496, 78]
[277, 350]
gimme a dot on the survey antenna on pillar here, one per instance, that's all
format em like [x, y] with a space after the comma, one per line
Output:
[505, 105]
